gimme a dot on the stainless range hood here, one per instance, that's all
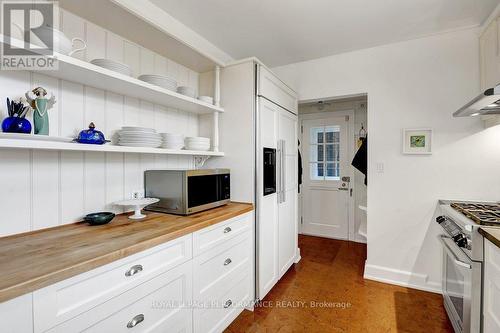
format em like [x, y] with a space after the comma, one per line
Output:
[488, 103]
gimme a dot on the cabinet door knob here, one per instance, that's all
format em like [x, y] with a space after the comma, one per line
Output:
[133, 270]
[227, 229]
[135, 321]
[227, 261]
[228, 304]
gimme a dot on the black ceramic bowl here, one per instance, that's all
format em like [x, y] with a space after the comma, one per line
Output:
[99, 218]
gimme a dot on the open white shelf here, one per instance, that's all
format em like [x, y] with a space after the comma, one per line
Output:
[72, 69]
[108, 148]
[76, 70]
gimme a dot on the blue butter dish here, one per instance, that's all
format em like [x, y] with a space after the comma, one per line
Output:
[91, 136]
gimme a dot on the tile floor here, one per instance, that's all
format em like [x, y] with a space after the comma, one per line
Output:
[326, 292]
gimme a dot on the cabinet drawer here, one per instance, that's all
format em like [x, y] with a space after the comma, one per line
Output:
[216, 270]
[224, 309]
[66, 299]
[160, 305]
[217, 234]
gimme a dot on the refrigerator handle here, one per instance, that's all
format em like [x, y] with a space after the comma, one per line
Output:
[278, 171]
[283, 170]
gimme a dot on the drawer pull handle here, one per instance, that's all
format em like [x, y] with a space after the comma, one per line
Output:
[228, 304]
[227, 229]
[135, 321]
[134, 270]
[227, 261]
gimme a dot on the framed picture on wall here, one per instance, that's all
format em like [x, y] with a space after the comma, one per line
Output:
[417, 141]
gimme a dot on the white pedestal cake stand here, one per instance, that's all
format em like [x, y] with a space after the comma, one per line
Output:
[138, 205]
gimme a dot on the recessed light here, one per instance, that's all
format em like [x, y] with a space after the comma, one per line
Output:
[475, 114]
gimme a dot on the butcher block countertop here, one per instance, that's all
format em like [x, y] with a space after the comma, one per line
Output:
[492, 234]
[34, 260]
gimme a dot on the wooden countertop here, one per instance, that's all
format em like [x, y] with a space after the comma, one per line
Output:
[492, 234]
[36, 259]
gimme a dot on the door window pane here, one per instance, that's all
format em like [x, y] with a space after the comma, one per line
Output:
[332, 171]
[325, 153]
[317, 171]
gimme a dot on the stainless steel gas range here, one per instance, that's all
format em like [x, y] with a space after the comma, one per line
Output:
[463, 259]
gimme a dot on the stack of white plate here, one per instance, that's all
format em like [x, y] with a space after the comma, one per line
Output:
[206, 99]
[197, 143]
[113, 65]
[172, 141]
[160, 81]
[139, 137]
[188, 91]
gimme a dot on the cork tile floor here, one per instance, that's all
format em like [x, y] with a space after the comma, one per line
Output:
[326, 292]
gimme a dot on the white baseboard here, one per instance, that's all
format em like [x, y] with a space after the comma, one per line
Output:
[401, 278]
[297, 256]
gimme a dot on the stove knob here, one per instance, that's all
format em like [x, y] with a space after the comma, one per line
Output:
[440, 219]
[460, 240]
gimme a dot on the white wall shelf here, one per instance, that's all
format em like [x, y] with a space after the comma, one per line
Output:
[76, 70]
[107, 148]
[79, 71]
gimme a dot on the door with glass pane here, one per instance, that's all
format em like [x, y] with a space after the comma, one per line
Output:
[325, 162]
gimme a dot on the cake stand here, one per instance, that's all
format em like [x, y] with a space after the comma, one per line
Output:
[138, 205]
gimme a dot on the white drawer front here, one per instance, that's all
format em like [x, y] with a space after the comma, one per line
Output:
[225, 309]
[16, 315]
[69, 298]
[219, 233]
[216, 270]
[159, 305]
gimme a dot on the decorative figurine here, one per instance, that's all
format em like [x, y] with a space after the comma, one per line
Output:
[41, 105]
[16, 121]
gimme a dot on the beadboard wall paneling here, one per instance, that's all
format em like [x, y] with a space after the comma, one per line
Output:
[42, 189]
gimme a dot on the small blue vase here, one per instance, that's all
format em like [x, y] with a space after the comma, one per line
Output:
[16, 125]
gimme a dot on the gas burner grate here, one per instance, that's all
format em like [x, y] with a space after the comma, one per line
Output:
[485, 214]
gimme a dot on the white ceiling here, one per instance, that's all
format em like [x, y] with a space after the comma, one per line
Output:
[280, 32]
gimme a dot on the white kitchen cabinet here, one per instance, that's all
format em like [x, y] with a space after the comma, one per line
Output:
[16, 315]
[155, 306]
[490, 55]
[491, 297]
[213, 266]
[64, 300]
[271, 87]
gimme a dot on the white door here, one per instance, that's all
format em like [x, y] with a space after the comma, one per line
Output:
[287, 207]
[267, 211]
[325, 163]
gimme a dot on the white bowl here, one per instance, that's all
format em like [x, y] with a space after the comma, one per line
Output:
[197, 138]
[176, 146]
[187, 91]
[206, 99]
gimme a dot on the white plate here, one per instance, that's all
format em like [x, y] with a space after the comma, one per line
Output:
[19, 136]
[113, 66]
[139, 140]
[140, 135]
[145, 145]
[138, 129]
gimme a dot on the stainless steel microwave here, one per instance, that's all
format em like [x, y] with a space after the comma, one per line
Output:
[186, 192]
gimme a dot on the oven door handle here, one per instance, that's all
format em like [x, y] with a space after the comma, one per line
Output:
[456, 260]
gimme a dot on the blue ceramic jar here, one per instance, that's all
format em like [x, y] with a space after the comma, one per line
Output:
[16, 125]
